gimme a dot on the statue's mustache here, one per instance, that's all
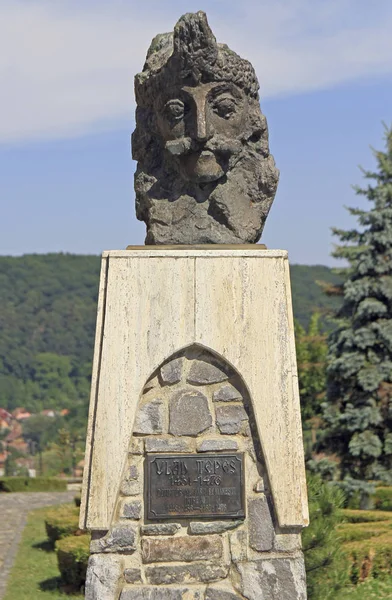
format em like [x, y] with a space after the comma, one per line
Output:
[217, 144]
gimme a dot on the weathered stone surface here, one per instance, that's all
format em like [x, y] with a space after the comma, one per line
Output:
[130, 487]
[103, 577]
[216, 445]
[171, 372]
[238, 545]
[189, 413]
[273, 579]
[259, 486]
[121, 538]
[198, 573]
[202, 528]
[137, 446]
[221, 594]
[287, 542]
[157, 593]
[151, 384]
[261, 527]
[160, 529]
[226, 393]
[131, 510]
[150, 418]
[205, 174]
[133, 575]
[204, 373]
[183, 549]
[167, 445]
[229, 418]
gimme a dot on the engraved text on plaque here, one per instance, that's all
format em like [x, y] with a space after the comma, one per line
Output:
[195, 485]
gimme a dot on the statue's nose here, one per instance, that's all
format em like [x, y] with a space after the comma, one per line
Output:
[202, 127]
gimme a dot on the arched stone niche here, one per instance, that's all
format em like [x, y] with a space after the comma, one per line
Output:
[195, 403]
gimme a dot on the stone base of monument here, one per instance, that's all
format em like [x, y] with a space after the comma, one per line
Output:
[194, 485]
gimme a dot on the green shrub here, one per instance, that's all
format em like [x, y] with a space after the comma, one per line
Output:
[327, 568]
[72, 557]
[61, 521]
[370, 558]
[382, 498]
[32, 484]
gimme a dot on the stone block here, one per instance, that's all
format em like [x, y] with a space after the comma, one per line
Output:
[287, 542]
[137, 446]
[189, 413]
[150, 418]
[167, 445]
[238, 545]
[259, 486]
[171, 372]
[131, 510]
[133, 575]
[121, 538]
[160, 529]
[204, 373]
[184, 549]
[104, 574]
[203, 528]
[217, 445]
[192, 573]
[226, 393]
[261, 527]
[130, 487]
[274, 578]
[156, 593]
[220, 594]
[229, 418]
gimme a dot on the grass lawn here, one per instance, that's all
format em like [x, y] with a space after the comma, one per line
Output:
[370, 589]
[35, 574]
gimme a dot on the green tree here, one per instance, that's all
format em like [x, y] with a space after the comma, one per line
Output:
[325, 564]
[311, 359]
[358, 411]
[38, 431]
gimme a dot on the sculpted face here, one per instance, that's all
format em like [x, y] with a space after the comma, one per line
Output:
[205, 174]
[201, 127]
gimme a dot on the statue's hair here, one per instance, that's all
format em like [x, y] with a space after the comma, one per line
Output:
[191, 54]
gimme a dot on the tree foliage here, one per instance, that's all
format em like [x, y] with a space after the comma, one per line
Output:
[326, 566]
[311, 346]
[358, 412]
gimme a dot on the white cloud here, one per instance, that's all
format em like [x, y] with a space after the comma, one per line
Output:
[67, 67]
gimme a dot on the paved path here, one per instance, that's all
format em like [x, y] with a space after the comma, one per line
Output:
[13, 515]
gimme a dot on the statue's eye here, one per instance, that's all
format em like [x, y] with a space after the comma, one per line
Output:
[225, 107]
[174, 110]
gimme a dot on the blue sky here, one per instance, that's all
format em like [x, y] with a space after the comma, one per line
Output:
[66, 75]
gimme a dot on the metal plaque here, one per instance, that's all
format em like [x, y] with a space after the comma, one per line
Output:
[194, 485]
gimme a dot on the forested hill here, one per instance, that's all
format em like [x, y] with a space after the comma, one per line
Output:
[47, 323]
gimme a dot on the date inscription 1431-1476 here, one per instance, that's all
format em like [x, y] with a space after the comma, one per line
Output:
[194, 486]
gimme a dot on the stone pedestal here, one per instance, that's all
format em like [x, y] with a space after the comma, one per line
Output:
[195, 357]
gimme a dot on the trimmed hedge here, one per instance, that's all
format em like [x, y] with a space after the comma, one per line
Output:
[370, 558]
[32, 484]
[351, 532]
[72, 557]
[61, 521]
[364, 516]
[383, 498]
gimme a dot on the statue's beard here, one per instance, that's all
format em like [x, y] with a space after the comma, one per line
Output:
[203, 162]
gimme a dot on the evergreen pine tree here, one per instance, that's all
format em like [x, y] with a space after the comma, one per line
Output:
[358, 411]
